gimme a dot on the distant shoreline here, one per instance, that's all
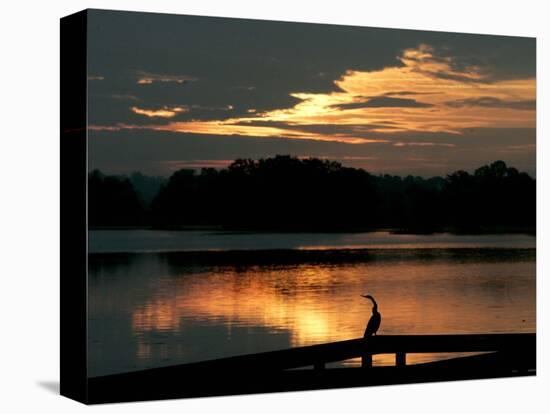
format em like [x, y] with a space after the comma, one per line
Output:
[483, 230]
[330, 256]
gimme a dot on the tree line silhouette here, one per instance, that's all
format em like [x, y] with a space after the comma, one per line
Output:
[288, 193]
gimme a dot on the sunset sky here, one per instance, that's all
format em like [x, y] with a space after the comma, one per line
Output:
[168, 92]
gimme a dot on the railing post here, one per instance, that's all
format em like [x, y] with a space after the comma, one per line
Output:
[319, 366]
[400, 359]
[366, 360]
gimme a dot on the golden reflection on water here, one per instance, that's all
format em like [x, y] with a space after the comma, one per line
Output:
[317, 304]
[271, 299]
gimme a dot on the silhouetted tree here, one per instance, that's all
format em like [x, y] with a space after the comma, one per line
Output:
[146, 187]
[494, 195]
[112, 201]
[289, 193]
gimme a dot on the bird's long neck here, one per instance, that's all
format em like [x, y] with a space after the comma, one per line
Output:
[374, 305]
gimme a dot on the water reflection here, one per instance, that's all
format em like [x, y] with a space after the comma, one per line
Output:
[162, 309]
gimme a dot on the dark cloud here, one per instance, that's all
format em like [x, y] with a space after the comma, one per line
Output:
[357, 130]
[491, 102]
[245, 63]
[385, 102]
[157, 152]
[498, 57]
[407, 93]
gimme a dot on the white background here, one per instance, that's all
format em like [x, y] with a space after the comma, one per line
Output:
[29, 204]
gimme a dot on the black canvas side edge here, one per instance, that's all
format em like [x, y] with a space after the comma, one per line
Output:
[73, 234]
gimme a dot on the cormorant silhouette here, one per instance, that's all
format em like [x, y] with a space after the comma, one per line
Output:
[375, 319]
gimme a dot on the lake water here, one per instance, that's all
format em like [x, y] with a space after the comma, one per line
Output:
[170, 241]
[162, 303]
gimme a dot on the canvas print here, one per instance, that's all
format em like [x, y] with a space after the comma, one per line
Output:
[278, 206]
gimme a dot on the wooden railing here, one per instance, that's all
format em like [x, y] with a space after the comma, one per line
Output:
[400, 345]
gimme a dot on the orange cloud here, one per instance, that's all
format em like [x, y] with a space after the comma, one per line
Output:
[230, 128]
[164, 112]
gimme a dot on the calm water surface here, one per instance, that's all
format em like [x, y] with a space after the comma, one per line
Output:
[155, 309]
